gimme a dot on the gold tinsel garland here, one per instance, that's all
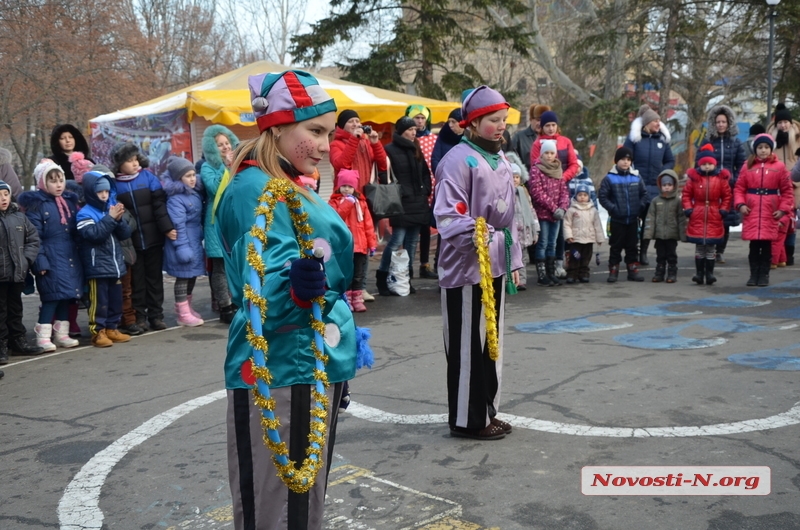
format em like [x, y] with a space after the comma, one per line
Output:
[487, 287]
[299, 480]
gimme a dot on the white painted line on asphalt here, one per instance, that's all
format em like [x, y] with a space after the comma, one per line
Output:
[79, 507]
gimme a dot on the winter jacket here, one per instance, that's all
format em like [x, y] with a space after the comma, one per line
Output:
[665, 218]
[143, 195]
[765, 188]
[184, 257]
[729, 151]
[786, 153]
[708, 197]
[445, 141]
[582, 223]
[623, 195]
[19, 245]
[100, 249]
[528, 227]
[582, 179]
[415, 181]
[651, 154]
[7, 173]
[61, 158]
[211, 174]
[58, 246]
[521, 143]
[566, 154]
[359, 154]
[547, 193]
[358, 219]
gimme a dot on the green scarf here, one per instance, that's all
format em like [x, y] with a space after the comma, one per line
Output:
[493, 159]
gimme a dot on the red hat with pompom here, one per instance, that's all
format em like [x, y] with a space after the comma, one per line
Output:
[707, 155]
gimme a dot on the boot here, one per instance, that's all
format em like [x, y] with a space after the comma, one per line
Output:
[185, 317]
[560, 271]
[116, 336]
[754, 268]
[643, 252]
[100, 340]
[3, 352]
[368, 297]
[358, 302]
[672, 274]
[700, 265]
[43, 333]
[381, 279]
[720, 257]
[789, 255]
[349, 297]
[194, 313]
[19, 346]
[541, 273]
[426, 272]
[710, 278]
[763, 274]
[226, 313]
[61, 335]
[661, 270]
[633, 273]
[74, 328]
[613, 273]
[550, 268]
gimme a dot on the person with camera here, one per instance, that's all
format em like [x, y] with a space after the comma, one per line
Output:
[357, 147]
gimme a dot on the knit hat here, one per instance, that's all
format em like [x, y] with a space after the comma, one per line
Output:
[102, 184]
[403, 124]
[345, 116]
[548, 117]
[623, 152]
[782, 113]
[178, 166]
[582, 188]
[40, 172]
[648, 115]
[764, 139]
[667, 176]
[515, 169]
[348, 177]
[102, 170]
[80, 166]
[287, 97]
[480, 102]
[706, 155]
[537, 111]
[455, 114]
[549, 145]
[757, 129]
[5, 186]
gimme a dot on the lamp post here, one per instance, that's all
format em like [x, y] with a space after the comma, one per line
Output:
[773, 4]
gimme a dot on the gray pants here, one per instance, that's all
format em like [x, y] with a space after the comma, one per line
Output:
[261, 501]
[219, 283]
[705, 251]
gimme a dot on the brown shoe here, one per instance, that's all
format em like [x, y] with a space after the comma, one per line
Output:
[502, 424]
[101, 340]
[116, 336]
[492, 432]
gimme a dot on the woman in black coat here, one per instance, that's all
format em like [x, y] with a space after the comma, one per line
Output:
[65, 140]
[412, 173]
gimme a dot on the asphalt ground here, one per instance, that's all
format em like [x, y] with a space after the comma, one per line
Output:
[631, 374]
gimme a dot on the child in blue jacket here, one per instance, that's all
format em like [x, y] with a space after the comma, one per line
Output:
[101, 228]
[184, 257]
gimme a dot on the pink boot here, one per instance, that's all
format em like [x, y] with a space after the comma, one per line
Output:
[185, 317]
[358, 302]
[195, 314]
[349, 295]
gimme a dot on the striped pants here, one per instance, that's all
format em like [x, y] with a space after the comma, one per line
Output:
[105, 304]
[473, 379]
[261, 501]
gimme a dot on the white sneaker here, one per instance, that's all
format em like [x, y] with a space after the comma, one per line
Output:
[560, 271]
[366, 296]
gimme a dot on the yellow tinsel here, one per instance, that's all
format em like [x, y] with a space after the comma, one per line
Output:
[487, 288]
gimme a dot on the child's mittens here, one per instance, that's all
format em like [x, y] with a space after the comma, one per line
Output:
[688, 212]
[307, 279]
[350, 198]
[185, 254]
[559, 214]
[372, 251]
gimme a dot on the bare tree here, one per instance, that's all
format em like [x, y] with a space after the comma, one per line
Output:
[269, 28]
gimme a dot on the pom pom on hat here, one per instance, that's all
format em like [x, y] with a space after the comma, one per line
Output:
[757, 129]
[480, 102]
[348, 177]
[764, 139]
[79, 165]
[706, 155]
[288, 97]
[548, 117]
[538, 110]
[623, 152]
[178, 166]
[782, 113]
[648, 115]
[345, 116]
[549, 146]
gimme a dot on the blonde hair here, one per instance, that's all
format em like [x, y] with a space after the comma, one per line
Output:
[264, 150]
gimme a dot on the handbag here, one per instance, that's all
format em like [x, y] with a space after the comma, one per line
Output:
[384, 200]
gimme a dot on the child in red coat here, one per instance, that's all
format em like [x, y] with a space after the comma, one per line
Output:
[763, 195]
[706, 201]
[352, 208]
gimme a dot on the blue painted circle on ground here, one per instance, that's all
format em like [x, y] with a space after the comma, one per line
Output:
[766, 361]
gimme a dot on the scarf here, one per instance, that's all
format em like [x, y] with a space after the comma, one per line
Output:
[523, 207]
[123, 177]
[488, 149]
[781, 139]
[223, 183]
[61, 204]
[552, 169]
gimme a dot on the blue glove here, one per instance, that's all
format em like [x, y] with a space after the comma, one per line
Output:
[307, 277]
[185, 254]
[688, 213]
[723, 213]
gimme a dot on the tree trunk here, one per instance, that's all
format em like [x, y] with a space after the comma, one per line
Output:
[669, 59]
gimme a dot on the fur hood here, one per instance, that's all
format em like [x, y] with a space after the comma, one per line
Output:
[210, 151]
[733, 127]
[5, 156]
[636, 131]
[33, 199]
[80, 141]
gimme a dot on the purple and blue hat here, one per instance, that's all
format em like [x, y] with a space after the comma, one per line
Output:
[288, 97]
[480, 102]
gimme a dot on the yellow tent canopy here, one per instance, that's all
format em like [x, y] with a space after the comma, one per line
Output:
[225, 100]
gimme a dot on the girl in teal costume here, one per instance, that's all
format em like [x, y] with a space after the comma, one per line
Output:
[295, 117]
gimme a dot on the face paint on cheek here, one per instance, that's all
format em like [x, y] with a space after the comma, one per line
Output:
[487, 129]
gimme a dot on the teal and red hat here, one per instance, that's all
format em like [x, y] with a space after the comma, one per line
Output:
[287, 97]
